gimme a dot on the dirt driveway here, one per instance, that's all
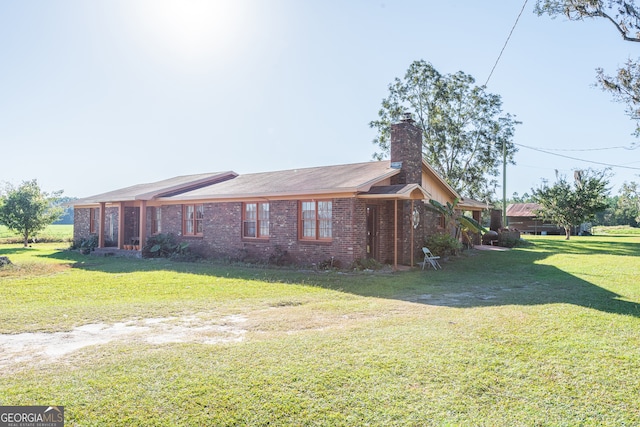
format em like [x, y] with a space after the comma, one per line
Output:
[42, 347]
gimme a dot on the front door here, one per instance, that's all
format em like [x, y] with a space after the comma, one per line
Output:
[372, 232]
[132, 226]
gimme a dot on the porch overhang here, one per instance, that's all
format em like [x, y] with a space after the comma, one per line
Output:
[396, 192]
[399, 192]
[472, 205]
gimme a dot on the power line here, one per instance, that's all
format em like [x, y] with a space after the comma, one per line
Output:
[575, 158]
[505, 43]
[585, 149]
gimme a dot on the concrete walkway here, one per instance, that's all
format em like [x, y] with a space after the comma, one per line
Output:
[490, 248]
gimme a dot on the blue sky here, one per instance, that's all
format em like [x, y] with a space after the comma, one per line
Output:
[100, 95]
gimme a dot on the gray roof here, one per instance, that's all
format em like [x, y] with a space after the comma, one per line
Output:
[368, 179]
[351, 178]
[157, 189]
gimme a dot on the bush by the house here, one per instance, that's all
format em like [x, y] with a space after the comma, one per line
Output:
[329, 264]
[87, 244]
[443, 244]
[279, 256]
[165, 246]
[367, 264]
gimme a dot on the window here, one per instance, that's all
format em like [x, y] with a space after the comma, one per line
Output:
[255, 220]
[94, 219]
[156, 217]
[192, 217]
[316, 220]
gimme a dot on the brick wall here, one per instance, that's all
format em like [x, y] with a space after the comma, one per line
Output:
[81, 223]
[222, 236]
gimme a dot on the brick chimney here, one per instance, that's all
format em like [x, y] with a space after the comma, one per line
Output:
[406, 151]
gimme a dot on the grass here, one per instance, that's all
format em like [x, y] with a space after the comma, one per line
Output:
[546, 334]
[617, 230]
[53, 233]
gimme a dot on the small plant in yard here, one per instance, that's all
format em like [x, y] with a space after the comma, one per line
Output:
[4, 260]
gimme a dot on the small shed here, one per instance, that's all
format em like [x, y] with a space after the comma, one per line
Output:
[522, 217]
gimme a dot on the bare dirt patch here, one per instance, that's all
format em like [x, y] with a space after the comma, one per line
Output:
[42, 347]
[32, 269]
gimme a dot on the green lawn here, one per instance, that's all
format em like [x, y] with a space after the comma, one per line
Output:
[545, 334]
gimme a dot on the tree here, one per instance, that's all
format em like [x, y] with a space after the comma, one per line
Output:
[568, 205]
[516, 198]
[25, 210]
[624, 85]
[611, 215]
[463, 127]
[454, 219]
[629, 203]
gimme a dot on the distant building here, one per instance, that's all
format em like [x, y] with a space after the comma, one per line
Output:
[522, 217]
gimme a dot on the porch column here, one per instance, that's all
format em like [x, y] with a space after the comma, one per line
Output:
[101, 226]
[395, 234]
[121, 225]
[412, 228]
[143, 223]
[477, 215]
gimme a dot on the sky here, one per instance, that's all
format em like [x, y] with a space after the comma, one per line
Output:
[105, 94]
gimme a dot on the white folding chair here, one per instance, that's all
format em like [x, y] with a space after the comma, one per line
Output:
[431, 259]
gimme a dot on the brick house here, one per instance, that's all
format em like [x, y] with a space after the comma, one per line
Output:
[341, 213]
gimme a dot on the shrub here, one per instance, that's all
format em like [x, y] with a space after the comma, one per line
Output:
[4, 260]
[279, 256]
[86, 244]
[367, 264]
[442, 244]
[165, 246]
[329, 264]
